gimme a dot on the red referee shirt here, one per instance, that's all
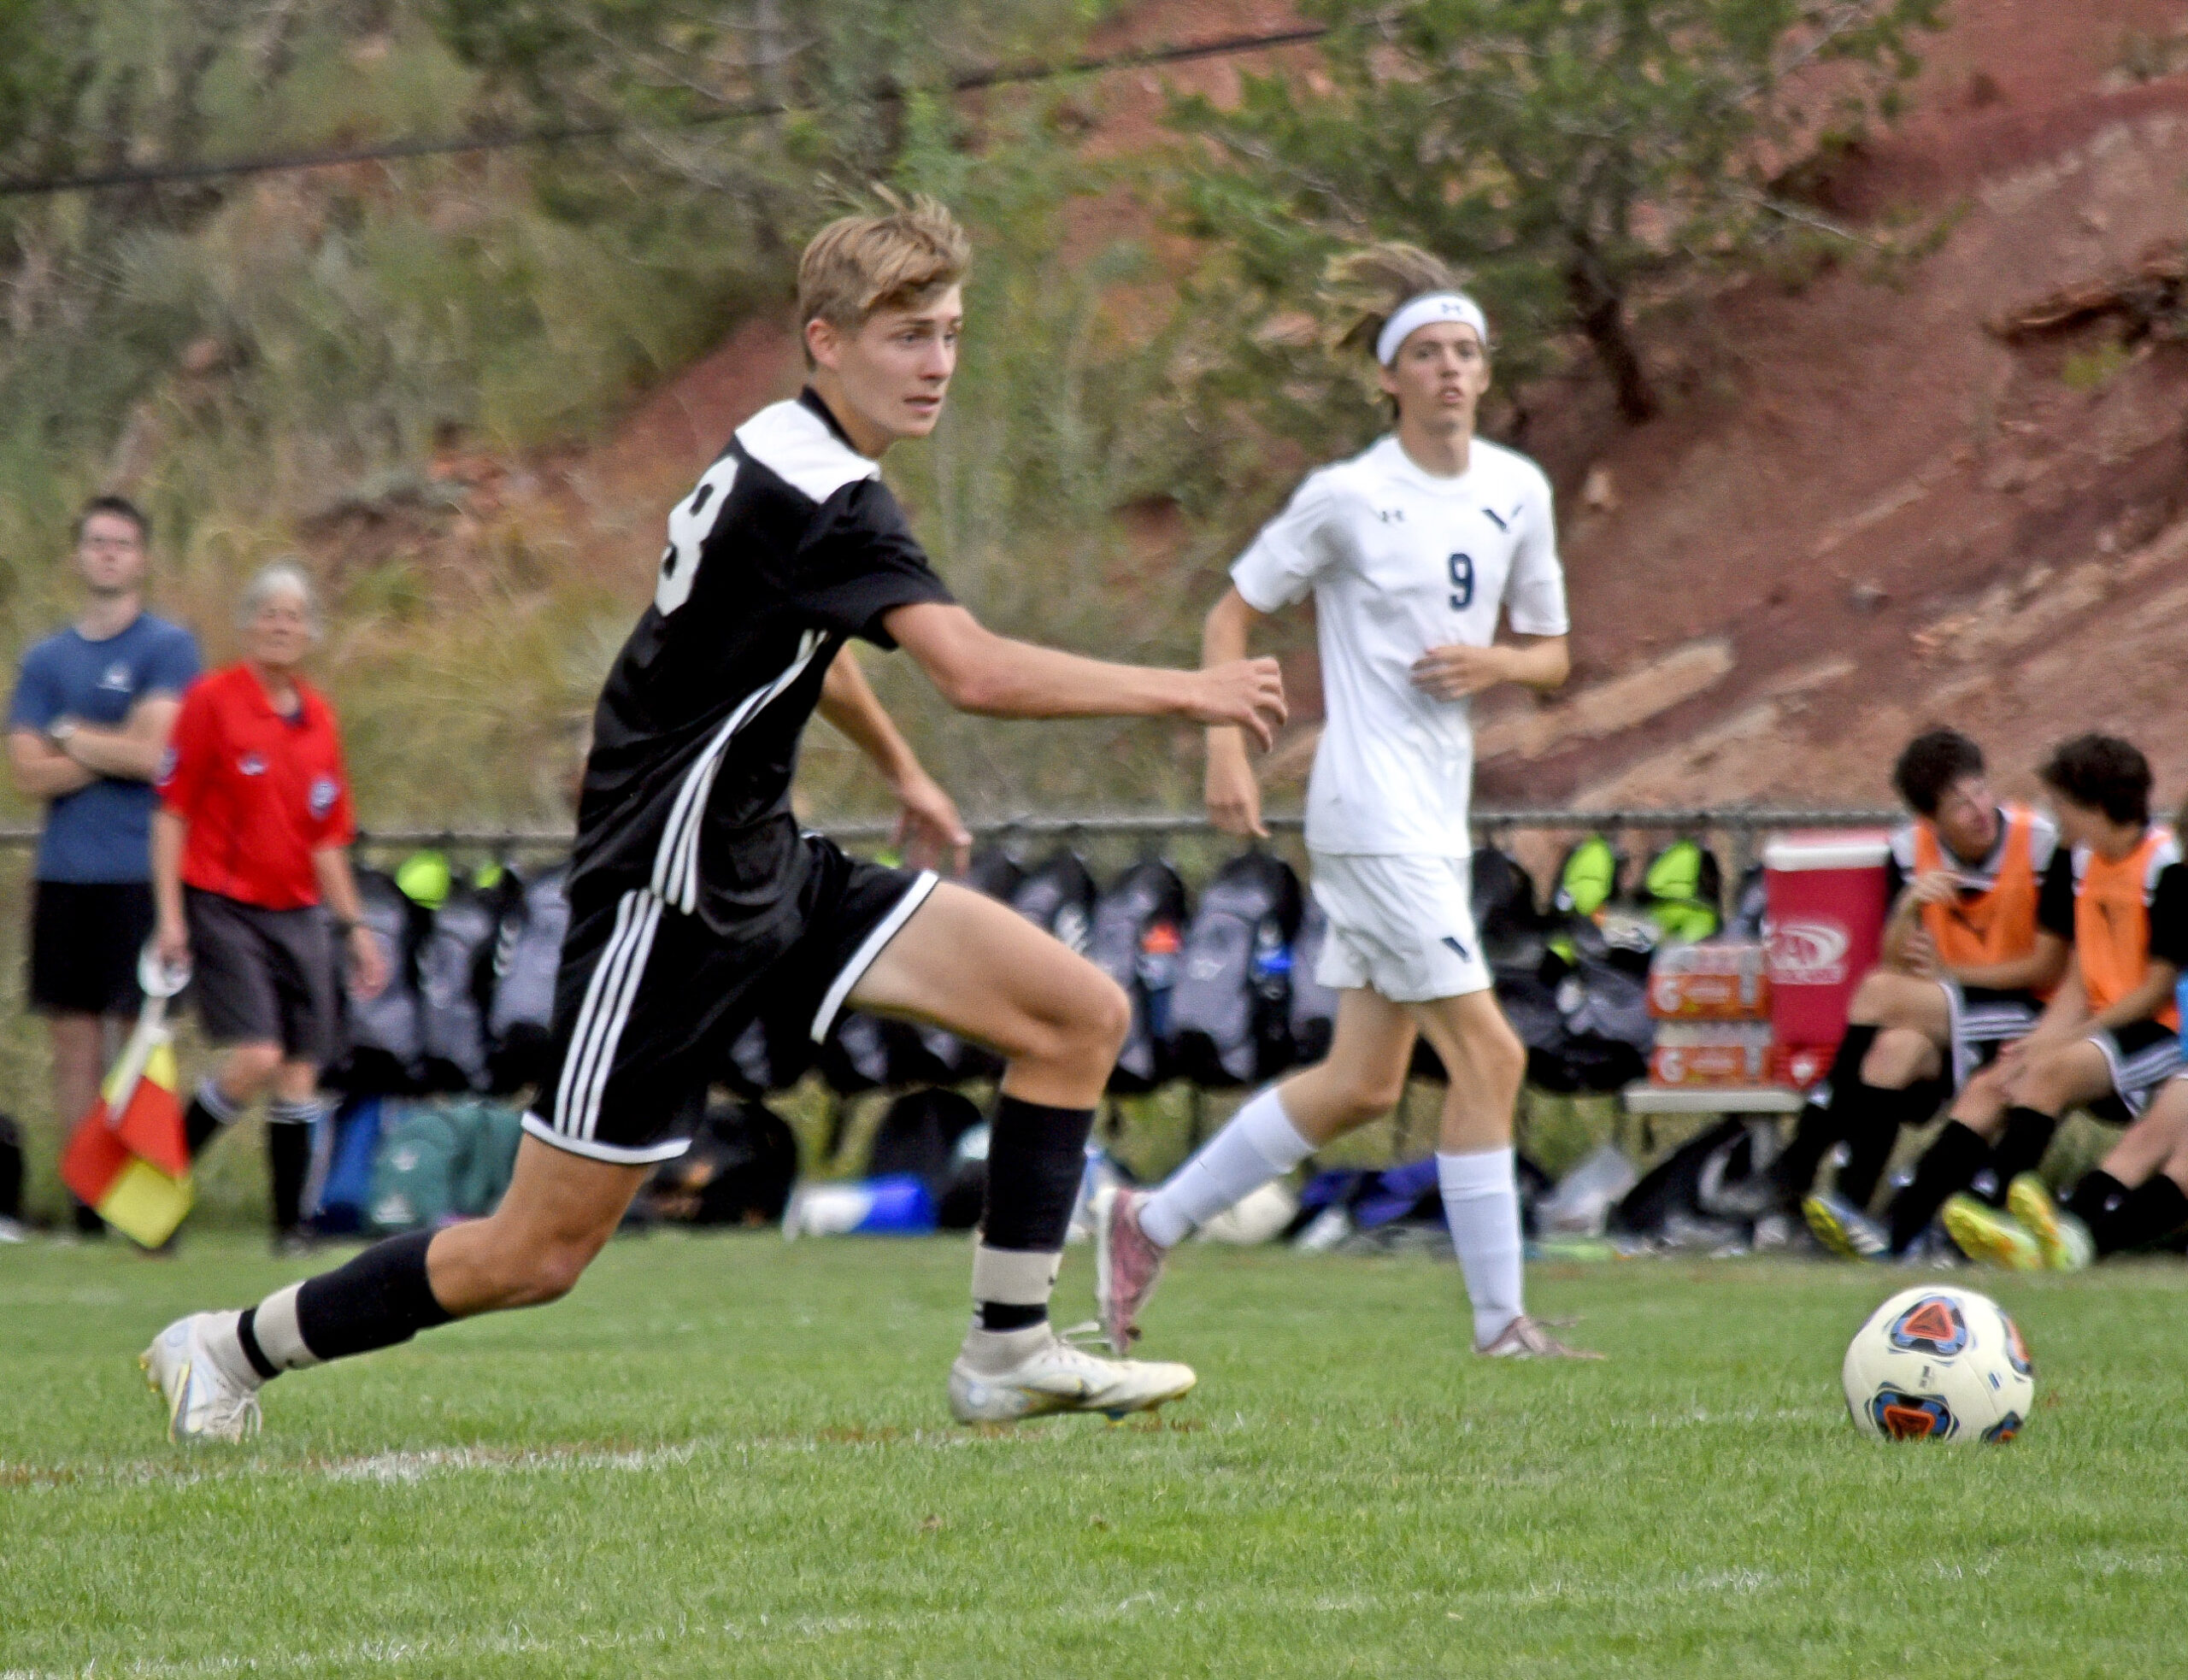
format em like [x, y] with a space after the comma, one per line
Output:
[261, 792]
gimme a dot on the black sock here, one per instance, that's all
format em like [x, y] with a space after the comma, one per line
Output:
[1036, 1156]
[1868, 1148]
[86, 1219]
[379, 1299]
[288, 1160]
[2020, 1147]
[2149, 1213]
[1955, 1156]
[209, 1112]
[2094, 1199]
[1834, 1108]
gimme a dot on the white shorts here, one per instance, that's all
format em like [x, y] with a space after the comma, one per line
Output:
[1400, 925]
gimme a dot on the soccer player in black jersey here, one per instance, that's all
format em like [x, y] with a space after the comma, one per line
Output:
[696, 901]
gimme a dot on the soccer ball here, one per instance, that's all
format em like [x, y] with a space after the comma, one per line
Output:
[1938, 1364]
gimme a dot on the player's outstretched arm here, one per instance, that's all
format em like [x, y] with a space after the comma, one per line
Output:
[1233, 791]
[978, 671]
[928, 826]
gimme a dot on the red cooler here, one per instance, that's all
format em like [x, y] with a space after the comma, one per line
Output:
[1826, 891]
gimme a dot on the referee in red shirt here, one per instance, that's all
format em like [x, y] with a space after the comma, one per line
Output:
[249, 842]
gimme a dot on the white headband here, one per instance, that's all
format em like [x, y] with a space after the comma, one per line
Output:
[1419, 312]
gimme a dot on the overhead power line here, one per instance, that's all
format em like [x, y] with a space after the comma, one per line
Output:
[511, 139]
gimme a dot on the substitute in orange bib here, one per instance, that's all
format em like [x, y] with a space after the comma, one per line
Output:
[1968, 960]
[248, 858]
[2110, 1034]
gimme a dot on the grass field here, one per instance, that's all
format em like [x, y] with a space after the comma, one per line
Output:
[726, 1454]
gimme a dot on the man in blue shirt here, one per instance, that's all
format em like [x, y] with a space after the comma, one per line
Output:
[86, 731]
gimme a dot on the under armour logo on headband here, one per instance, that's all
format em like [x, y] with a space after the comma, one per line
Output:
[1419, 312]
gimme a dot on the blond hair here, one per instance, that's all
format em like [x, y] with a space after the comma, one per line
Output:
[1364, 288]
[907, 255]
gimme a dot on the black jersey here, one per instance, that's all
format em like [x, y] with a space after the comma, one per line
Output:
[789, 545]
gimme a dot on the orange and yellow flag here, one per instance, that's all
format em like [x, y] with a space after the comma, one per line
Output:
[134, 1168]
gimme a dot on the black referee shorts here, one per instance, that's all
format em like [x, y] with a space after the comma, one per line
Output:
[85, 937]
[649, 999]
[262, 977]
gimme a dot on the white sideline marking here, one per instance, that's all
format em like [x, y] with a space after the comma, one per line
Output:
[388, 1468]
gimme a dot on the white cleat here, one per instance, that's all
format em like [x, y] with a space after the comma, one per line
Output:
[203, 1402]
[1058, 1375]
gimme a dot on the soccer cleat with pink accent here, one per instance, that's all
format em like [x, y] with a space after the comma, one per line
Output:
[1127, 1265]
[203, 1402]
[1525, 1338]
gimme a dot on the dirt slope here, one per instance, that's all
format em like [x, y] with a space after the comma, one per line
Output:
[1887, 515]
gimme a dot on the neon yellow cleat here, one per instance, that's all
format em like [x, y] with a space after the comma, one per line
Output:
[1990, 1237]
[1844, 1229]
[2064, 1239]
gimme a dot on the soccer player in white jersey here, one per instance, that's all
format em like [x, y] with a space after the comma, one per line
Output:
[1412, 552]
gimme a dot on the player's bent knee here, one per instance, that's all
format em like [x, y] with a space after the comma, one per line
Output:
[1109, 1016]
[1363, 1100]
[1088, 1031]
[1872, 999]
[546, 1273]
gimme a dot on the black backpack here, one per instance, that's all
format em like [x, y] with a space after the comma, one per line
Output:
[1138, 929]
[771, 1055]
[1230, 1013]
[1510, 927]
[527, 956]
[11, 1169]
[1058, 898]
[861, 1053]
[456, 973]
[383, 1038]
[1314, 1005]
[1714, 1185]
[740, 1171]
[919, 1135]
[994, 872]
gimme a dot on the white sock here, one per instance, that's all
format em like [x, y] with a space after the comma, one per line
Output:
[1259, 1143]
[1481, 1204]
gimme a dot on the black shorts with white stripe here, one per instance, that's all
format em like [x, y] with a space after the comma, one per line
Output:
[649, 998]
[2142, 1056]
[1984, 1021]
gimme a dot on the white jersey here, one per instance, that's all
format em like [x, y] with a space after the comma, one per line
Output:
[1401, 561]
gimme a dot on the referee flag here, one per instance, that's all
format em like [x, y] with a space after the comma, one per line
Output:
[127, 1158]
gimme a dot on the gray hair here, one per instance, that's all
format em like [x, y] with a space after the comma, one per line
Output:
[282, 576]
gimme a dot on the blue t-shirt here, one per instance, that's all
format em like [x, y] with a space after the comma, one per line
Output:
[102, 832]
